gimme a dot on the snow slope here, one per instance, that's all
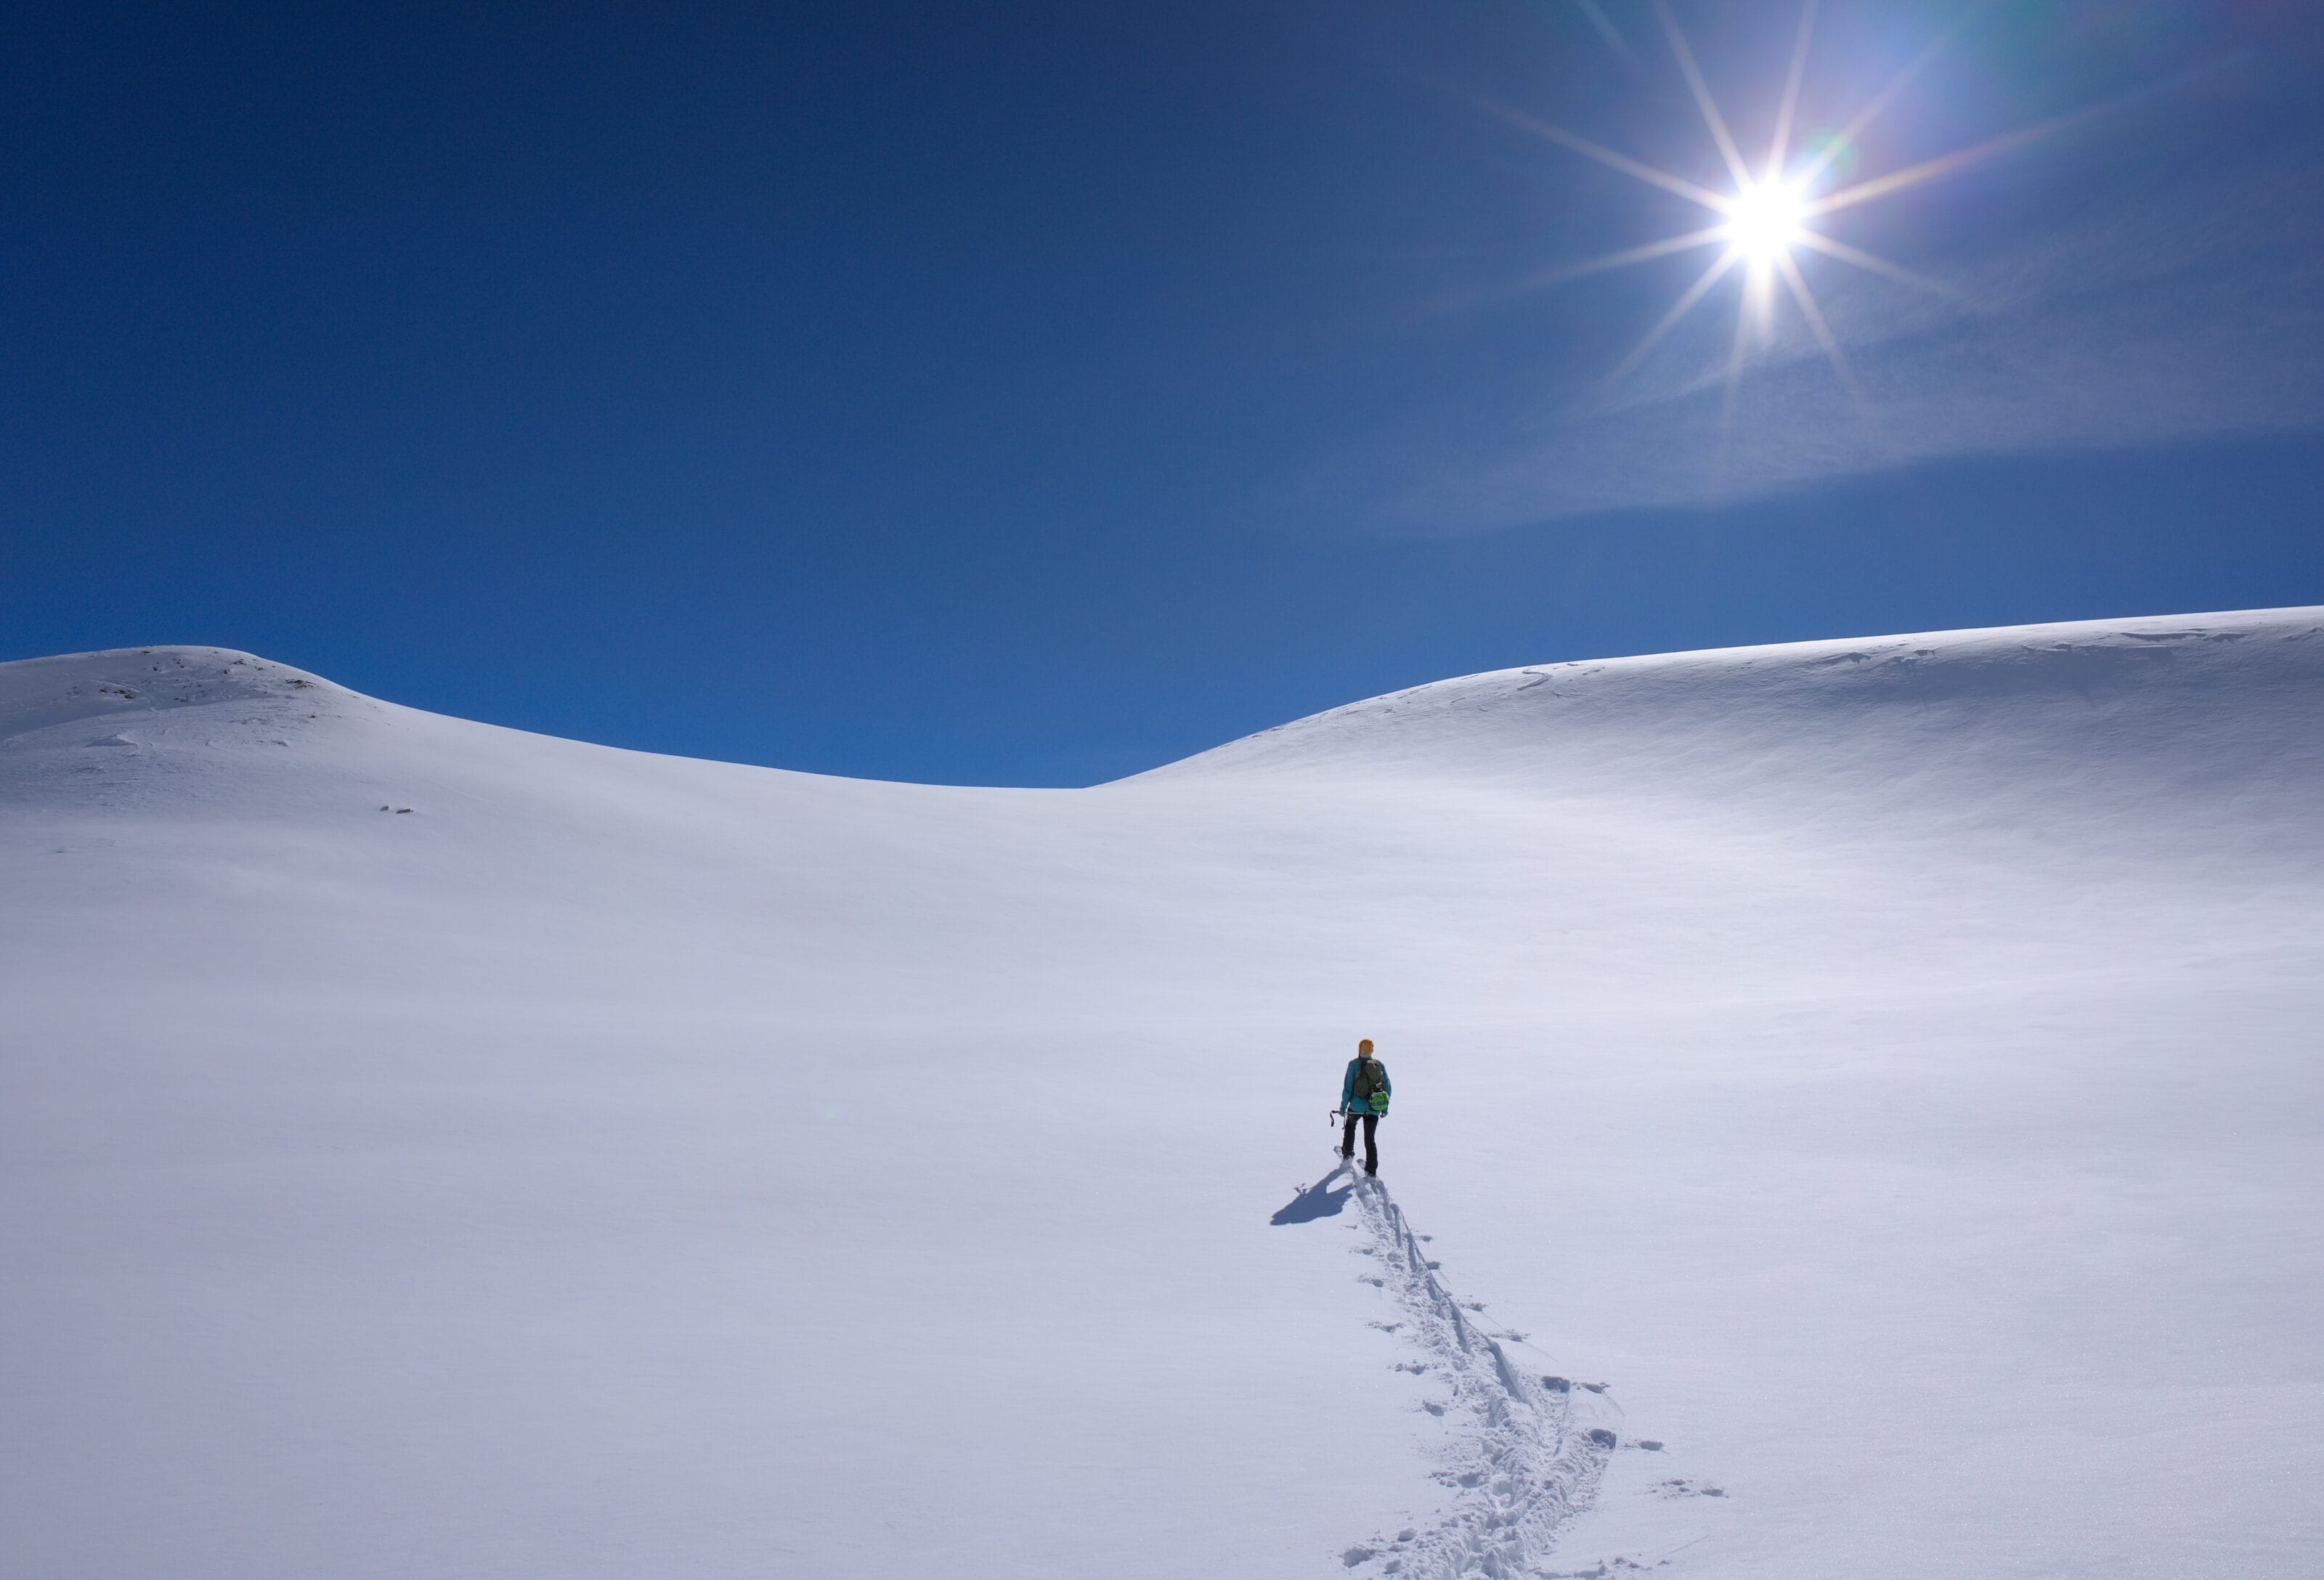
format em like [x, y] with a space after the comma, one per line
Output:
[1884, 1072]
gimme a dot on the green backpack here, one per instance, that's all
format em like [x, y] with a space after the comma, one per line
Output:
[1376, 1097]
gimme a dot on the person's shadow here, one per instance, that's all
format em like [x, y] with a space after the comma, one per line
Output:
[1317, 1200]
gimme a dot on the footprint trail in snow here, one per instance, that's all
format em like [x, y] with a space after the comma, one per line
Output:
[1521, 1459]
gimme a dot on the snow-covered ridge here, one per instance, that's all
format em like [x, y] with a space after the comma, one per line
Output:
[2233, 692]
[39, 693]
[2095, 680]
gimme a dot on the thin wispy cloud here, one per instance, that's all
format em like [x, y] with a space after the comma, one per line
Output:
[1605, 27]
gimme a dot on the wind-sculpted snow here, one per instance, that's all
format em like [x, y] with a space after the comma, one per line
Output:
[1521, 1463]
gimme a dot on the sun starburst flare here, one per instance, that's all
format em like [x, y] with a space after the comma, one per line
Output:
[1766, 216]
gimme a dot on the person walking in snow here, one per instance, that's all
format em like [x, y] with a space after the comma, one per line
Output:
[1363, 1094]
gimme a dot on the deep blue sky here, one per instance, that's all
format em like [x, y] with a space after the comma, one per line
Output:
[1033, 393]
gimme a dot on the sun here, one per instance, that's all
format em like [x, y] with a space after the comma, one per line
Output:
[1766, 220]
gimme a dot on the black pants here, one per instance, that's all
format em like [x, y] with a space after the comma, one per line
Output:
[1371, 1140]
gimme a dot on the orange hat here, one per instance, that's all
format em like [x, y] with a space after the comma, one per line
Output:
[1365, 1046]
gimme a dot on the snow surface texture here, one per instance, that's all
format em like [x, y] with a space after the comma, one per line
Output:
[1524, 1461]
[1880, 1076]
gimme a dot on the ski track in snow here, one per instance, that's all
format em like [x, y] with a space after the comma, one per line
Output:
[1522, 1463]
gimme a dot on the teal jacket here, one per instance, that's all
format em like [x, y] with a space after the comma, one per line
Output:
[1349, 1102]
